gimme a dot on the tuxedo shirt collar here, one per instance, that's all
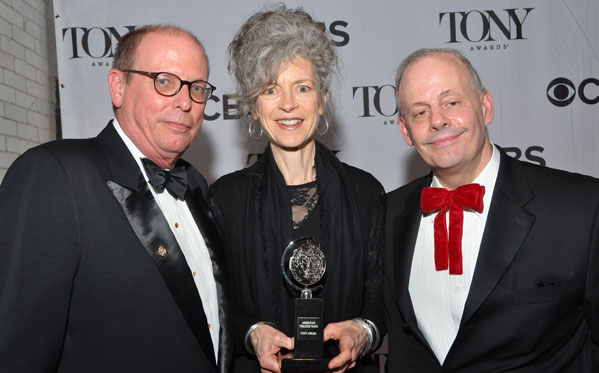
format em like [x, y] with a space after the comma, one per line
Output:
[135, 152]
[486, 178]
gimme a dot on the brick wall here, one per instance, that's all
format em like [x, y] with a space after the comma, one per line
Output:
[27, 77]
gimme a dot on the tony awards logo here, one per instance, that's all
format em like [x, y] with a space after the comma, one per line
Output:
[303, 266]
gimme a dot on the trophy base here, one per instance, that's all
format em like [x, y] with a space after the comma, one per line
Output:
[305, 365]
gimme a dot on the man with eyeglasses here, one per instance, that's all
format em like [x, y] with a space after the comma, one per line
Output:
[108, 252]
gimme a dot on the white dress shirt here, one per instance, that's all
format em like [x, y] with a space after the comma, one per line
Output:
[438, 297]
[189, 238]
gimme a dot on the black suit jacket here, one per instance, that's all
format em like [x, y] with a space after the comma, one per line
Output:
[534, 301]
[82, 287]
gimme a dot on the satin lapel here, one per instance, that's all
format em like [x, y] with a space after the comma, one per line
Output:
[405, 232]
[508, 224]
[153, 232]
[203, 216]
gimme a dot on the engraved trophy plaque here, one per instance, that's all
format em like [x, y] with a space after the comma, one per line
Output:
[303, 266]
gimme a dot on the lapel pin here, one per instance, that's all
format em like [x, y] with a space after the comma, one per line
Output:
[162, 251]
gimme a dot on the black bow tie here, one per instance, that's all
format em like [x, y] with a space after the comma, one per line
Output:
[174, 180]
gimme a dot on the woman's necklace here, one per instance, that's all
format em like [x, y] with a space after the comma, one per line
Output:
[296, 208]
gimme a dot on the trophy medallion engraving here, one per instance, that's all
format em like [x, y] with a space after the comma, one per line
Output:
[306, 264]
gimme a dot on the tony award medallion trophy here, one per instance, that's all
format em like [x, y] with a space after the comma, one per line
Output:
[303, 266]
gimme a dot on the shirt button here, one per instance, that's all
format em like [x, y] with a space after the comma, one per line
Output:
[209, 326]
[176, 225]
[194, 273]
[458, 289]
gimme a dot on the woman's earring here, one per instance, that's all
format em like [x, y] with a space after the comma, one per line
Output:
[253, 132]
[325, 125]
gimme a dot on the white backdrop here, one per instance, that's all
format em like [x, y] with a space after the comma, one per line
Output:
[539, 59]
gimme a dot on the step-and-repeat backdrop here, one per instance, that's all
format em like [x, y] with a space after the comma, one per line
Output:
[539, 59]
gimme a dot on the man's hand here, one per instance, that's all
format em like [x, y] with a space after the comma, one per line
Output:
[267, 342]
[352, 339]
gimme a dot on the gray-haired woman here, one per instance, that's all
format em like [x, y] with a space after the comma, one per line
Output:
[283, 61]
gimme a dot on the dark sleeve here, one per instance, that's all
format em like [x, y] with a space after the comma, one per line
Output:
[393, 317]
[591, 300]
[239, 322]
[39, 255]
[374, 308]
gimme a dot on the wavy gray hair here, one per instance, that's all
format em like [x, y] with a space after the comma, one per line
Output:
[419, 54]
[270, 38]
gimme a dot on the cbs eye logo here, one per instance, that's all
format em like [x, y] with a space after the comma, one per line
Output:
[561, 92]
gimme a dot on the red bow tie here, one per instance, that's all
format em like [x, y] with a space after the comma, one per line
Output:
[449, 251]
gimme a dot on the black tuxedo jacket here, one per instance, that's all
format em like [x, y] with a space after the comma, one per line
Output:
[534, 301]
[82, 286]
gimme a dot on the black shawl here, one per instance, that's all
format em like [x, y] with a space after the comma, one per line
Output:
[271, 230]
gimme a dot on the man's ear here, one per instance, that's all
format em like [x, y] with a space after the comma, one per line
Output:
[405, 131]
[488, 108]
[117, 85]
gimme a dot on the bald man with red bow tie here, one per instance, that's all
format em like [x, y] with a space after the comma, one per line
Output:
[492, 263]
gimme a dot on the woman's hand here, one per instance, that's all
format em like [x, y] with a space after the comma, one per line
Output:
[352, 339]
[267, 342]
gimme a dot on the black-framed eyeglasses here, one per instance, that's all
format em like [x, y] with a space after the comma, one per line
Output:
[168, 84]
